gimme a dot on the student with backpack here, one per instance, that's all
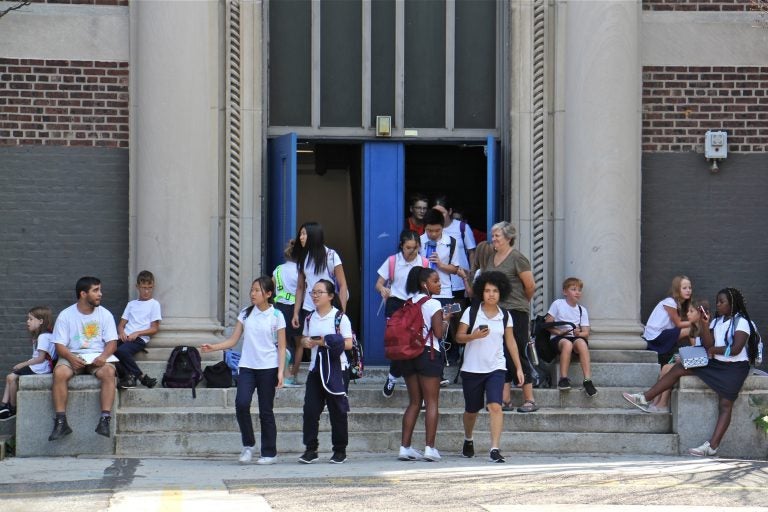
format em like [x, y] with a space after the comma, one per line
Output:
[422, 372]
[486, 329]
[442, 252]
[260, 368]
[393, 274]
[567, 340]
[327, 333]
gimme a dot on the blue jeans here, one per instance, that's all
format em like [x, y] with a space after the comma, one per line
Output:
[263, 382]
[125, 353]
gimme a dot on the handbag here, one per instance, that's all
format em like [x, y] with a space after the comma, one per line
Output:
[693, 357]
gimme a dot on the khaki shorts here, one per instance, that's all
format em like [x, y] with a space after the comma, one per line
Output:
[89, 368]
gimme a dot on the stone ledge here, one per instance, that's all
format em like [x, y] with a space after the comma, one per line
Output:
[694, 410]
[34, 419]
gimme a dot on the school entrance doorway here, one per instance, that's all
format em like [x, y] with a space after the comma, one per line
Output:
[359, 192]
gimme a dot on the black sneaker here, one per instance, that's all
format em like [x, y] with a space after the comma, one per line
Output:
[103, 427]
[60, 429]
[148, 381]
[468, 450]
[308, 457]
[339, 456]
[496, 456]
[389, 388]
[127, 383]
[564, 384]
[590, 388]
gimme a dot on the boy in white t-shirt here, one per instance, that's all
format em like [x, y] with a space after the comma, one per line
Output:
[140, 320]
[567, 340]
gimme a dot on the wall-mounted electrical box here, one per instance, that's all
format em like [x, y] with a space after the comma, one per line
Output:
[716, 145]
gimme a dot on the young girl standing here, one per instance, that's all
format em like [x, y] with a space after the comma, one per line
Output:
[327, 333]
[668, 323]
[422, 374]
[40, 327]
[731, 344]
[260, 368]
[484, 368]
[286, 277]
[393, 274]
[315, 262]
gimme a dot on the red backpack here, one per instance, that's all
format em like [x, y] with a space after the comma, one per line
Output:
[404, 334]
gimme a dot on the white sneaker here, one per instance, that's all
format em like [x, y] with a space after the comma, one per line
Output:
[704, 450]
[658, 410]
[246, 455]
[431, 454]
[263, 461]
[409, 454]
[637, 399]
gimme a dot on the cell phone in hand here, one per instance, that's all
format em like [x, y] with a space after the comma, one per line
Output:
[451, 308]
[316, 338]
[482, 327]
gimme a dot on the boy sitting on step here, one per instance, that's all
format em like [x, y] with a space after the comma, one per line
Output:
[567, 340]
[140, 320]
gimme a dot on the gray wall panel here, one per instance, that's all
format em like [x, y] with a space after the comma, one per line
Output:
[63, 214]
[710, 227]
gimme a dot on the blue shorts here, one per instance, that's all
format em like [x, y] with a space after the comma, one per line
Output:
[475, 385]
[665, 342]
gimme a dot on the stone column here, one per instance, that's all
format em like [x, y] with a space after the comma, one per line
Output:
[175, 102]
[601, 183]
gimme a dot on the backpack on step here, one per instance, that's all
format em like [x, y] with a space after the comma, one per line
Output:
[183, 369]
[404, 334]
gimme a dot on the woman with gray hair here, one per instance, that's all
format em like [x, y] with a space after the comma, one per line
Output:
[517, 269]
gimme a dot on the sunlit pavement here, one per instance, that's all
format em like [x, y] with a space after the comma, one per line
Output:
[380, 482]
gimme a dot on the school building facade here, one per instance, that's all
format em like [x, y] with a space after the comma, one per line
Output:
[192, 138]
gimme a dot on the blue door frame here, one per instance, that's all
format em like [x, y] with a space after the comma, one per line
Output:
[383, 219]
[281, 183]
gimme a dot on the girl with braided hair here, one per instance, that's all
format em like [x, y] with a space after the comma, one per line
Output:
[731, 343]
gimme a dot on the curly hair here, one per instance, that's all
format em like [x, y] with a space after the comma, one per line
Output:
[497, 279]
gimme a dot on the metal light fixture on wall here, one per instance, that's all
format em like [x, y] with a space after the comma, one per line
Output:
[383, 126]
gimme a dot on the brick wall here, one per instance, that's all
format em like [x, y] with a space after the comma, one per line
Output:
[680, 103]
[63, 103]
[699, 5]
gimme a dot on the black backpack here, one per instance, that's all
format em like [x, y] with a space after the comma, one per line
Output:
[183, 369]
[218, 375]
[541, 335]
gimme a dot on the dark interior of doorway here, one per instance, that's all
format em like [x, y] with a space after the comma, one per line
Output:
[457, 171]
[328, 191]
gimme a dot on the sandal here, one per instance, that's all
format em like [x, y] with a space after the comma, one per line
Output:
[528, 406]
[507, 407]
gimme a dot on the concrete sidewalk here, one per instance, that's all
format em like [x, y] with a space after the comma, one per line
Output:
[380, 482]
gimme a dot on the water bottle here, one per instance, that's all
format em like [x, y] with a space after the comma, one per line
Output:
[759, 358]
[431, 248]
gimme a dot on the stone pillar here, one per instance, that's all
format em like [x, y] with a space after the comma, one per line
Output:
[601, 183]
[175, 162]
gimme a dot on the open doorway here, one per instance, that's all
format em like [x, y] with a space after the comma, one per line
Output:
[457, 171]
[328, 192]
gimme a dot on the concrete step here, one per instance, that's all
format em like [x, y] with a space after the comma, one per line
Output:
[221, 419]
[289, 444]
[607, 373]
[364, 395]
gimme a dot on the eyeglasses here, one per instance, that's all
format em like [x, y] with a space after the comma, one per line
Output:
[313, 293]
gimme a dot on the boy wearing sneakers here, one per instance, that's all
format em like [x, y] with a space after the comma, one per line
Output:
[140, 320]
[566, 340]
